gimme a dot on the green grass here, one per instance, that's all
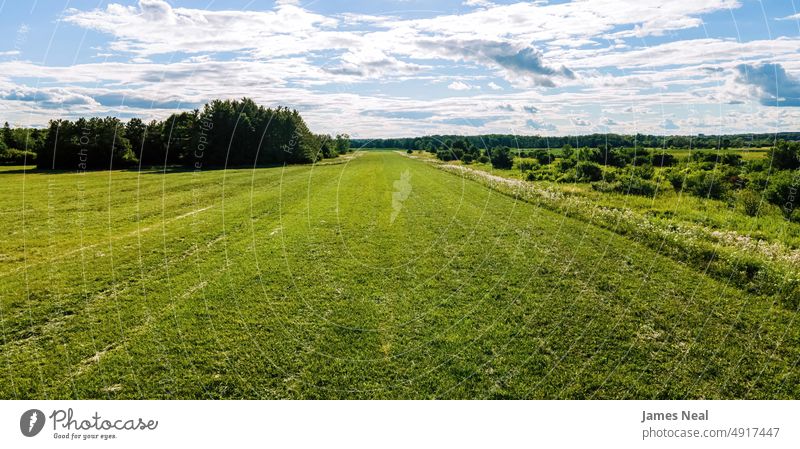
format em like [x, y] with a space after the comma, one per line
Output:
[295, 283]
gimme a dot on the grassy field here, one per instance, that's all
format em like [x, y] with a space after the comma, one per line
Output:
[379, 277]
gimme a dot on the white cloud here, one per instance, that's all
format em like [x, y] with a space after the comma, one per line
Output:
[792, 17]
[492, 85]
[459, 85]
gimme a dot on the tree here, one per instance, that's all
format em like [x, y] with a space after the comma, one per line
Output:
[785, 155]
[135, 133]
[342, 144]
[8, 136]
[586, 171]
[782, 192]
[501, 157]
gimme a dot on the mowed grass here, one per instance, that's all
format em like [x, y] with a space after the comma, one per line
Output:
[296, 283]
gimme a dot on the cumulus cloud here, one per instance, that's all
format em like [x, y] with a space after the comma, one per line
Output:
[770, 84]
[668, 124]
[577, 121]
[492, 85]
[540, 126]
[372, 63]
[518, 61]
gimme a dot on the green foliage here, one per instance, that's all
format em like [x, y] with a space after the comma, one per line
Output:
[567, 151]
[543, 156]
[501, 157]
[785, 155]
[86, 144]
[707, 184]
[606, 187]
[526, 164]
[750, 202]
[634, 185]
[342, 144]
[675, 177]
[586, 171]
[782, 192]
[483, 159]
[17, 157]
[224, 133]
[664, 159]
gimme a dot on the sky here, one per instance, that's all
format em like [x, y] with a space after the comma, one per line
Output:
[411, 67]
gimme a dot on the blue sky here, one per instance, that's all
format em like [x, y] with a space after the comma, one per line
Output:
[407, 67]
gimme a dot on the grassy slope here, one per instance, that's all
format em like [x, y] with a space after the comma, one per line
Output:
[294, 283]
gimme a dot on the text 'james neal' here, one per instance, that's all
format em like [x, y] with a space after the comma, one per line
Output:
[685, 415]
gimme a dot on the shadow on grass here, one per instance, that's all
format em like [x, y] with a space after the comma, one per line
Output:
[151, 170]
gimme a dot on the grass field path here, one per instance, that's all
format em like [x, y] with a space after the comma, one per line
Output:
[381, 277]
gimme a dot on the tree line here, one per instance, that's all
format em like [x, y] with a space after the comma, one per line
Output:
[223, 133]
[487, 141]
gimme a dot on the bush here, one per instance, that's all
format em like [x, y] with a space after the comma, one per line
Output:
[606, 187]
[707, 184]
[750, 201]
[586, 171]
[501, 158]
[543, 156]
[645, 171]
[567, 177]
[468, 158]
[525, 164]
[785, 155]
[17, 157]
[635, 185]
[483, 159]
[782, 192]
[675, 178]
[664, 160]
[565, 165]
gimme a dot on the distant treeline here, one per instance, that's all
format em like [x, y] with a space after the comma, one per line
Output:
[701, 141]
[223, 133]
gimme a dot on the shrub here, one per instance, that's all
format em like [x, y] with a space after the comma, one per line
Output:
[589, 154]
[567, 177]
[468, 158]
[543, 156]
[635, 185]
[707, 184]
[564, 165]
[675, 178]
[645, 171]
[731, 159]
[785, 155]
[525, 164]
[782, 192]
[409, 151]
[606, 187]
[750, 201]
[588, 171]
[664, 159]
[17, 157]
[501, 158]
[756, 165]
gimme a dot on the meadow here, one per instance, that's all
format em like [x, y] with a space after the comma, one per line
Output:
[373, 275]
